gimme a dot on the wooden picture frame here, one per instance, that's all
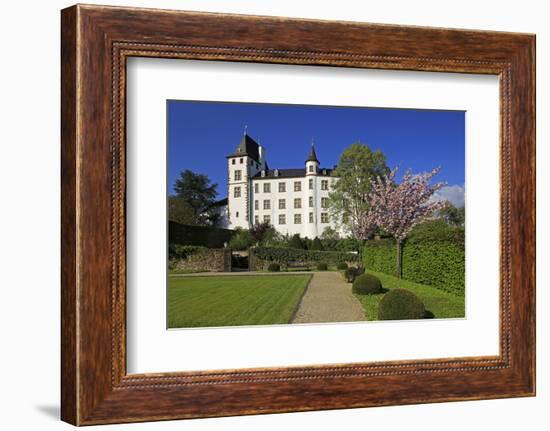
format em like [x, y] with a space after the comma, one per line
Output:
[95, 43]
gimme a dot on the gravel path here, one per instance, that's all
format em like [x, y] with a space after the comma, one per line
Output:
[328, 298]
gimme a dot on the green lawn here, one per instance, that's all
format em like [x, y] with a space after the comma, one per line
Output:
[440, 304]
[201, 301]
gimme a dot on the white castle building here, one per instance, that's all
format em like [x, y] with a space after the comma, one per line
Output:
[294, 201]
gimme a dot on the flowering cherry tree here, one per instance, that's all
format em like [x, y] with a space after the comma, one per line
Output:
[397, 208]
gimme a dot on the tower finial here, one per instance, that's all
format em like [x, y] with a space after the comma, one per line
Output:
[245, 128]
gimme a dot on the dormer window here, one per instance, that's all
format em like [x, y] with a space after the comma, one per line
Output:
[276, 172]
[263, 173]
[324, 171]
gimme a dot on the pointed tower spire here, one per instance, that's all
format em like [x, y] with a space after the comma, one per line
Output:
[312, 156]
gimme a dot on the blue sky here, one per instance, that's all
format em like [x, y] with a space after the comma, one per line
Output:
[201, 134]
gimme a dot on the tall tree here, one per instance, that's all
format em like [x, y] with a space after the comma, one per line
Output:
[180, 211]
[397, 208]
[197, 191]
[348, 200]
[453, 216]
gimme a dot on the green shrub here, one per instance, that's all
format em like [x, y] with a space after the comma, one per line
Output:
[400, 304]
[341, 266]
[296, 242]
[316, 244]
[322, 266]
[366, 284]
[242, 240]
[274, 267]
[350, 274]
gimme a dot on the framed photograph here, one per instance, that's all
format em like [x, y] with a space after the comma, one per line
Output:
[266, 215]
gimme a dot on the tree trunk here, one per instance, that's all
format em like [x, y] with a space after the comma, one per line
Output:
[399, 259]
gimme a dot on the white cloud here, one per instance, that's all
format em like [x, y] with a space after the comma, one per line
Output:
[454, 194]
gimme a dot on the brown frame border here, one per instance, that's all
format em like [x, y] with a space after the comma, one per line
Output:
[95, 42]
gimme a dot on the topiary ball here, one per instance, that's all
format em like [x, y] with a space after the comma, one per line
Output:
[366, 284]
[400, 304]
[322, 266]
[342, 265]
[274, 267]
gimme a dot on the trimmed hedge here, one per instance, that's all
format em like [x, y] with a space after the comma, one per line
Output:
[433, 254]
[285, 256]
[367, 284]
[342, 265]
[400, 304]
[206, 236]
[322, 266]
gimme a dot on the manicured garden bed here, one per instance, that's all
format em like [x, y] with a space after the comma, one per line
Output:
[202, 301]
[439, 303]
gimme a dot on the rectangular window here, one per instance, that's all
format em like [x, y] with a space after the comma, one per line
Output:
[282, 187]
[311, 183]
[311, 201]
[297, 186]
[311, 168]
[256, 188]
[267, 219]
[232, 161]
[282, 204]
[297, 203]
[238, 175]
[267, 187]
[311, 217]
[237, 192]
[297, 218]
[282, 219]
[324, 185]
[324, 217]
[256, 219]
[267, 204]
[256, 205]
[241, 161]
[237, 214]
[324, 202]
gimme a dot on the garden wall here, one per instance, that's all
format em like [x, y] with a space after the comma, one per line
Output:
[211, 259]
[261, 257]
[206, 236]
[432, 256]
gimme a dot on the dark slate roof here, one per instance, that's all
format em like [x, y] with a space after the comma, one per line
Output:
[247, 147]
[312, 156]
[290, 173]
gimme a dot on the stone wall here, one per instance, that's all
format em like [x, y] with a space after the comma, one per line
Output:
[212, 259]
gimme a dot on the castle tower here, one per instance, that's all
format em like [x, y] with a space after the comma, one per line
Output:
[312, 163]
[245, 162]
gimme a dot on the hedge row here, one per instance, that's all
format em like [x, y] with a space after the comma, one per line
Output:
[206, 236]
[284, 256]
[432, 255]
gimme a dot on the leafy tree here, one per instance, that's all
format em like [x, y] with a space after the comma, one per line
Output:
[348, 200]
[453, 216]
[261, 231]
[398, 208]
[181, 212]
[316, 244]
[197, 191]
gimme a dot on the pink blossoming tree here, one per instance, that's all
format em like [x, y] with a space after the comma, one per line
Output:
[397, 208]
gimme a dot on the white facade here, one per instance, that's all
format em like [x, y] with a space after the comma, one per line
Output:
[293, 201]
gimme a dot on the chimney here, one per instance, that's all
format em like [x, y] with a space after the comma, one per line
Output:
[261, 154]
